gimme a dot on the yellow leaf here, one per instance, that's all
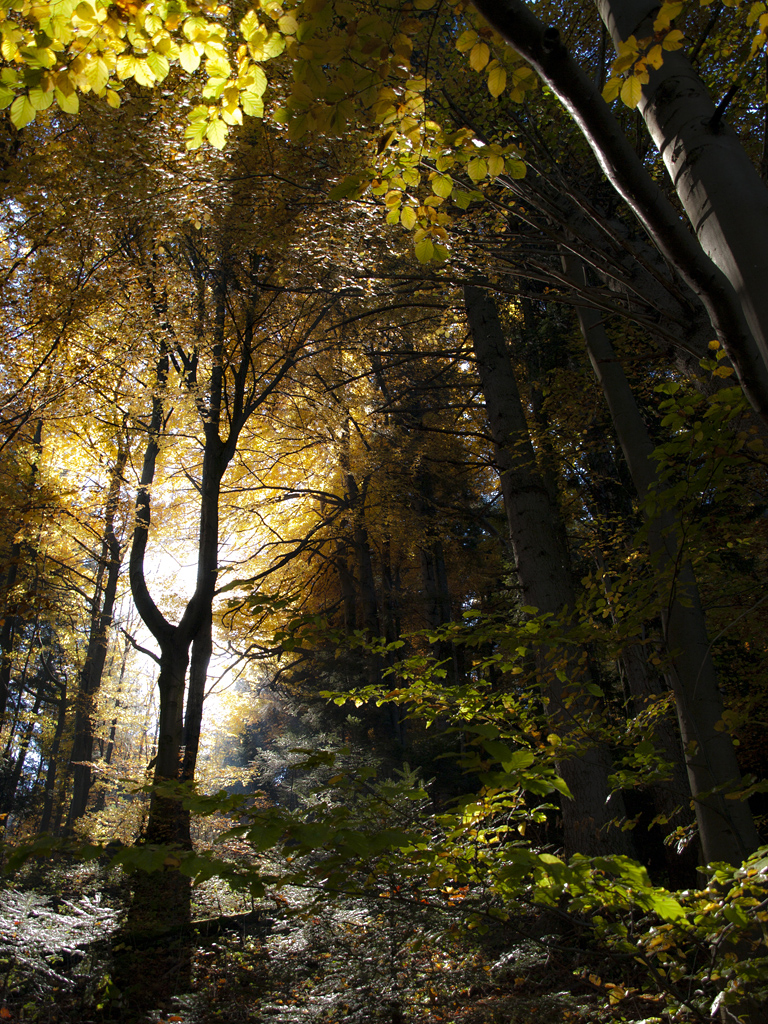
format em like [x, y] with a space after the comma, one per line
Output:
[673, 40]
[232, 116]
[655, 56]
[22, 111]
[288, 25]
[495, 165]
[216, 133]
[265, 45]
[666, 15]
[628, 48]
[477, 169]
[611, 89]
[41, 99]
[67, 101]
[189, 58]
[623, 63]
[497, 81]
[466, 40]
[408, 218]
[631, 92]
[126, 66]
[479, 56]
[754, 13]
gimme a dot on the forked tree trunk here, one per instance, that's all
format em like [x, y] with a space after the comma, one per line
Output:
[544, 572]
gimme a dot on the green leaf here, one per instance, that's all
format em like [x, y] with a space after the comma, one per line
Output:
[69, 104]
[462, 199]
[265, 837]
[442, 186]
[7, 96]
[477, 169]
[22, 111]
[466, 40]
[312, 835]
[495, 165]
[252, 103]
[666, 906]
[408, 218]
[489, 732]
[424, 250]
[39, 99]
[346, 187]
[194, 133]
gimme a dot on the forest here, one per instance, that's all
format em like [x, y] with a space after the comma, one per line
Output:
[383, 467]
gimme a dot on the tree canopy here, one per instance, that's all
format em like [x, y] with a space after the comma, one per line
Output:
[382, 448]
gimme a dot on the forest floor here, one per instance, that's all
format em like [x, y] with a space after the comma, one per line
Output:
[346, 960]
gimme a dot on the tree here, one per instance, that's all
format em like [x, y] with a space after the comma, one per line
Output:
[729, 306]
[543, 566]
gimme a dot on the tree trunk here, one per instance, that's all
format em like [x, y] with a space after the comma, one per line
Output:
[542, 47]
[95, 659]
[544, 572]
[347, 583]
[202, 649]
[53, 760]
[725, 826]
[10, 619]
[721, 191]
[45, 676]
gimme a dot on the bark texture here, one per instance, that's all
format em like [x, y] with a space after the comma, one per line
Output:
[544, 573]
[722, 193]
[102, 609]
[725, 826]
[543, 48]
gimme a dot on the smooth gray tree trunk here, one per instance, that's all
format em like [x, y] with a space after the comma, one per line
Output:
[101, 620]
[543, 48]
[726, 827]
[720, 189]
[544, 572]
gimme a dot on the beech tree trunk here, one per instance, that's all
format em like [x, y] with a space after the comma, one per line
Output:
[720, 189]
[544, 572]
[10, 621]
[101, 620]
[53, 759]
[543, 48]
[726, 827]
[202, 649]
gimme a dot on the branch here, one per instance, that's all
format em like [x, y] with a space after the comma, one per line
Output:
[546, 53]
[138, 647]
